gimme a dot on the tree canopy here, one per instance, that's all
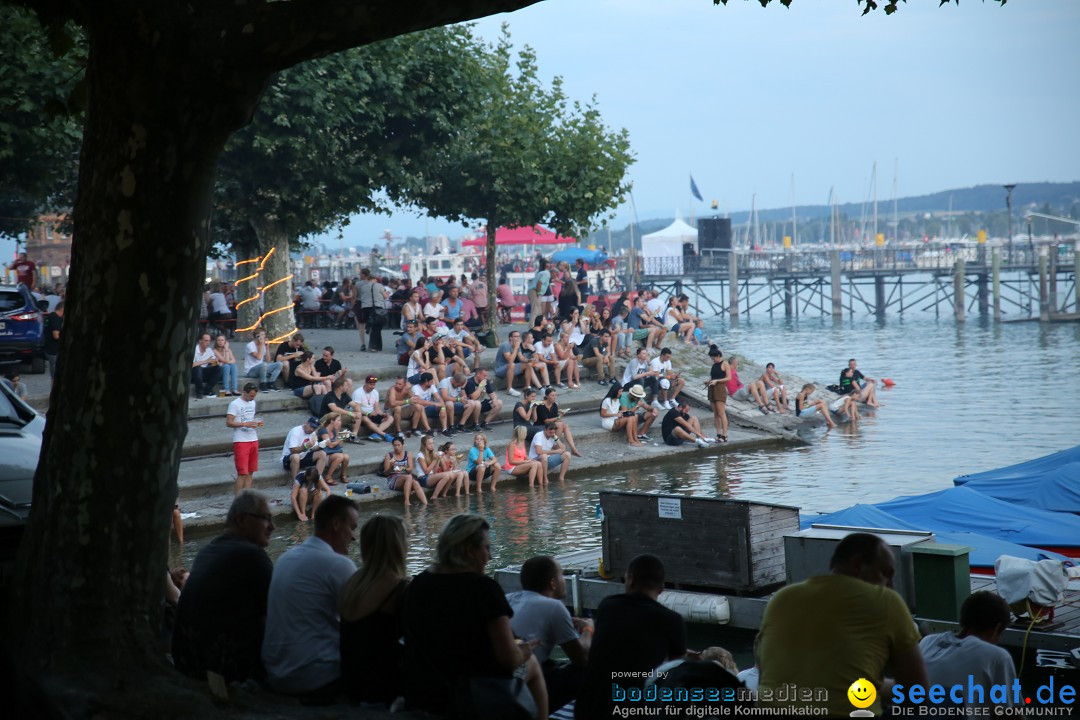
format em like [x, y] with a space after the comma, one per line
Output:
[40, 93]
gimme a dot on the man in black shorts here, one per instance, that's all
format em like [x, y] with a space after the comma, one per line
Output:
[679, 426]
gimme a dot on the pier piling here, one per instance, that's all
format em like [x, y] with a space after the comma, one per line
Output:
[958, 290]
[836, 283]
[1044, 294]
[879, 295]
[733, 286]
[995, 282]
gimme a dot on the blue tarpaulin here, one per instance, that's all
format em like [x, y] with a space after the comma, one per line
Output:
[964, 509]
[985, 550]
[1025, 469]
[1057, 489]
[571, 255]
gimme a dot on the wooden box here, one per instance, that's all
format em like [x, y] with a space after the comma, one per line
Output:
[712, 543]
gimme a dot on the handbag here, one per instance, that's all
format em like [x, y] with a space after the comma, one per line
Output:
[488, 339]
[492, 698]
[379, 313]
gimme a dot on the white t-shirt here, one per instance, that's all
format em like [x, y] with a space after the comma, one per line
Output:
[655, 306]
[540, 440]
[203, 355]
[459, 337]
[414, 366]
[541, 618]
[249, 351]
[661, 367]
[243, 411]
[295, 438]
[366, 400]
[632, 368]
[310, 298]
[218, 303]
[428, 395]
[546, 351]
[435, 311]
[949, 660]
[611, 405]
[669, 319]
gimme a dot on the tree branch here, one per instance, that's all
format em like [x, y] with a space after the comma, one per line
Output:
[281, 34]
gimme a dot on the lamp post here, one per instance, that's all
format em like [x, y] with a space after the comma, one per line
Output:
[1008, 204]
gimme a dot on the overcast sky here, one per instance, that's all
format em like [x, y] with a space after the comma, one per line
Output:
[744, 97]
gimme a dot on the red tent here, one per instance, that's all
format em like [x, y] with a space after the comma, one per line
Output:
[534, 235]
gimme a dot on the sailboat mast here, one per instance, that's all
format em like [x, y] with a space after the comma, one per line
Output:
[794, 227]
[895, 217]
[873, 181]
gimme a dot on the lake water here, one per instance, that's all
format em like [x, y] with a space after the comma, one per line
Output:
[967, 398]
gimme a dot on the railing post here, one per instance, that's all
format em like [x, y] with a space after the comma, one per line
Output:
[835, 282]
[733, 289]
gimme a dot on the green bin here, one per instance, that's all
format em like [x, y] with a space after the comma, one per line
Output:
[942, 579]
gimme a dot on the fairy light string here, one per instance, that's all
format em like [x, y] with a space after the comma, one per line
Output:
[260, 292]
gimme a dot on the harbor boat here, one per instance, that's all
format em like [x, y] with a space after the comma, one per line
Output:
[985, 550]
[1026, 469]
[964, 509]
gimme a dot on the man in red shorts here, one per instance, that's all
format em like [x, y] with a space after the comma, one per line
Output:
[241, 418]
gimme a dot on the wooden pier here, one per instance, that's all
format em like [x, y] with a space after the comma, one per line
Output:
[1003, 282]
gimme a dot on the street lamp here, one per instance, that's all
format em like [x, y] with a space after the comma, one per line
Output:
[1008, 204]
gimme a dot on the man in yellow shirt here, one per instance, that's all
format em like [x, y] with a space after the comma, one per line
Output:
[820, 636]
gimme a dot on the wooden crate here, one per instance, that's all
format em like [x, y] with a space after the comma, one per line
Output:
[726, 544]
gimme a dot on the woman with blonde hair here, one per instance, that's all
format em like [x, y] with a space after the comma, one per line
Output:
[427, 464]
[517, 462]
[441, 656]
[449, 462]
[481, 462]
[371, 619]
[806, 406]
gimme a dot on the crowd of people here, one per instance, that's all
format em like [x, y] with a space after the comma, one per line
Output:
[445, 390]
[314, 627]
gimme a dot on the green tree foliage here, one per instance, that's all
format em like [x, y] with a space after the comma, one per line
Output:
[343, 134]
[40, 95]
[531, 155]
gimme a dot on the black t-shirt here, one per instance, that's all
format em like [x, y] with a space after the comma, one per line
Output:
[716, 372]
[668, 425]
[543, 414]
[326, 370]
[53, 322]
[850, 382]
[471, 385]
[221, 616]
[634, 633]
[517, 416]
[442, 646]
[329, 397]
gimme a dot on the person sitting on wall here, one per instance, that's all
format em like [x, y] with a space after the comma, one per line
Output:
[679, 426]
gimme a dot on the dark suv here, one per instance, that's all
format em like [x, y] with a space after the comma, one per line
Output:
[22, 328]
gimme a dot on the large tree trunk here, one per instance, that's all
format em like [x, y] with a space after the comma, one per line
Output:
[92, 564]
[279, 318]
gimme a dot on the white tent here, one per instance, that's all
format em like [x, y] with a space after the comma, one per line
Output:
[662, 251]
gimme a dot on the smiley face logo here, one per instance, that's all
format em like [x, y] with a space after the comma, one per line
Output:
[862, 693]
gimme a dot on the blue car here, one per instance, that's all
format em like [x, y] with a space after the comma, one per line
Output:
[22, 327]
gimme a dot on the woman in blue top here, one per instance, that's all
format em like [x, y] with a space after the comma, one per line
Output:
[482, 462]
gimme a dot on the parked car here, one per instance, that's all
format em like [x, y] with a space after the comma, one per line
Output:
[20, 446]
[22, 327]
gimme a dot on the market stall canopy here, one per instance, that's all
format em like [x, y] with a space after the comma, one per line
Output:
[534, 235]
[572, 255]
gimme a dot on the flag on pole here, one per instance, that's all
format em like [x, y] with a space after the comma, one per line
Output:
[694, 191]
